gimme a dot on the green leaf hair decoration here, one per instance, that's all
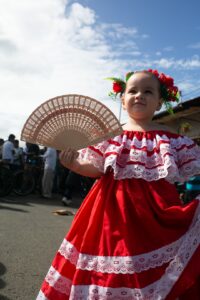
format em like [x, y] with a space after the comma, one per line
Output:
[169, 92]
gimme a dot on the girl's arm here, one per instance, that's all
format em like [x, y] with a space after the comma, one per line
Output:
[69, 159]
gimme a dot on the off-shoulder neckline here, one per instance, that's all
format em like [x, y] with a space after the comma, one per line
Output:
[150, 131]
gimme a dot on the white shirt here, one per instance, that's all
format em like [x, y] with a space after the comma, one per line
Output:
[50, 158]
[17, 157]
[7, 151]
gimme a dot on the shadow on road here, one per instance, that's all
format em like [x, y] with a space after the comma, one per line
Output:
[37, 199]
[2, 271]
[4, 297]
[2, 282]
[13, 209]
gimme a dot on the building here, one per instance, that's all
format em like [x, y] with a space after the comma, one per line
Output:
[185, 120]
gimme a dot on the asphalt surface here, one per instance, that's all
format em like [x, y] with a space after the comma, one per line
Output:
[30, 235]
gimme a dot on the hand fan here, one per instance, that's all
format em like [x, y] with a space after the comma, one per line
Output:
[74, 121]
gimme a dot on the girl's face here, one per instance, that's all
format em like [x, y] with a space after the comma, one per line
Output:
[142, 96]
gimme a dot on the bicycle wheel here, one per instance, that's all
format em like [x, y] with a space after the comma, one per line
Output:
[24, 183]
[6, 181]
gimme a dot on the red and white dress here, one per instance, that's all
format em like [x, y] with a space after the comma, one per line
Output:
[132, 238]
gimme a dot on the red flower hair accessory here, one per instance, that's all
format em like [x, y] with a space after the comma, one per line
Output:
[169, 92]
[119, 85]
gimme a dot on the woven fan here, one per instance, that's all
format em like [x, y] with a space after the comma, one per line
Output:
[73, 121]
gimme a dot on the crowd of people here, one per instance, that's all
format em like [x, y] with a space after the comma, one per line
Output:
[58, 179]
[55, 179]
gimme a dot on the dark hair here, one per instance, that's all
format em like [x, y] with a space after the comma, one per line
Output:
[16, 142]
[11, 136]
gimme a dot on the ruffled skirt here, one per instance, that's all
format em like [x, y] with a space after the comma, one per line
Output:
[130, 240]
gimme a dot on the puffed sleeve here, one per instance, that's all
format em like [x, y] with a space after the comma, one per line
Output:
[95, 155]
[187, 157]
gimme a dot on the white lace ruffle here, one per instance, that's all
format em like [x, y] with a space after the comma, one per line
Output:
[132, 264]
[58, 282]
[41, 296]
[158, 290]
[119, 264]
[174, 157]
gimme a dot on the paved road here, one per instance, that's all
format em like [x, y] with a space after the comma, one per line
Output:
[30, 234]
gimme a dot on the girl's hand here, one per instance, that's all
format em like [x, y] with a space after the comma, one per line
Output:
[68, 156]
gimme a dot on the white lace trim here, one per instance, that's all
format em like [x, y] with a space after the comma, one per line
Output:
[41, 296]
[175, 159]
[95, 292]
[158, 290]
[155, 291]
[129, 264]
[119, 264]
[58, 282]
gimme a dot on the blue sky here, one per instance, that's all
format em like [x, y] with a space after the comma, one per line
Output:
[167, 30]
[55, 47]
[166, 23]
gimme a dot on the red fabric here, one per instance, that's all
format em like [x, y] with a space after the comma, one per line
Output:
[51, 293]
[141, 213]
[113, 223]
[188, 285]
[132, 219]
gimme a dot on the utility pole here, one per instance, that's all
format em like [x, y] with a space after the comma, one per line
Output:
[120, 110]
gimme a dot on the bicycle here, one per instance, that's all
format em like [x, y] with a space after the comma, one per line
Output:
[6, 179]
[29, 179]
[22, 182]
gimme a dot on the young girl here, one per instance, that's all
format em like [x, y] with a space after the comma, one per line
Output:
[132, 238]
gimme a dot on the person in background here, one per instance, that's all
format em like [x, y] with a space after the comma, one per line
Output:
[50, 158]
[31, 154]
[192, 188]
[8, 150]
[1, 147]
[72, 183]
[57, 185]
[18, 156]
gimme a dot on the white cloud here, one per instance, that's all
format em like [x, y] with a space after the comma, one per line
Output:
[190, 89]
[13, 121]
[44, 53]
[50, 48]
[164, 63]
[195, 46]
[186, 86]
[158, 53]
[168, 49]
[54, 47]
[7, 46]
[118, 31]
[145, 36]
[186, 64]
